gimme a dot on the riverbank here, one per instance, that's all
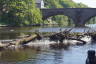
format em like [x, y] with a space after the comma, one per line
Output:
[36, 25]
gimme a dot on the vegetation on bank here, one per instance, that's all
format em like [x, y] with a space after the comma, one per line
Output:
[63, 4]
[19, 12]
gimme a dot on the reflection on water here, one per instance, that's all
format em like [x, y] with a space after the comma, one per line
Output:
[73, 55]
[17, 55]
[14, 32]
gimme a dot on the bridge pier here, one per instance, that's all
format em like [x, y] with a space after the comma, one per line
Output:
[79, 25]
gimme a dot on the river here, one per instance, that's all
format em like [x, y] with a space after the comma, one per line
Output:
[71, 55]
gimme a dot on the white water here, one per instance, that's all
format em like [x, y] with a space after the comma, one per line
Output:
[44, 43]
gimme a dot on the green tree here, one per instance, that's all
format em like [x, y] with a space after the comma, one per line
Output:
[19, 12]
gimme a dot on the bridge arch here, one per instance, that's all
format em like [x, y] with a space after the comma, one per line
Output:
[51, 13]
[60, 19]
[87, 20]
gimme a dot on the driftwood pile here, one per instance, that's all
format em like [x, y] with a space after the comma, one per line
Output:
[57, 37]
[68, 35]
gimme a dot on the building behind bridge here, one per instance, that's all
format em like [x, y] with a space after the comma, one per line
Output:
[39, 3]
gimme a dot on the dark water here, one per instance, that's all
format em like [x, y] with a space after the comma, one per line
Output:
[72, 55]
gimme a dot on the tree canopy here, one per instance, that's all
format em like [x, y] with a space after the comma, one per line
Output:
[19, 12]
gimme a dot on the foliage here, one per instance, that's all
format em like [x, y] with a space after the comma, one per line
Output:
[19, 12]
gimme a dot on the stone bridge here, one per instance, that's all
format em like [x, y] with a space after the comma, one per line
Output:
[79, 15]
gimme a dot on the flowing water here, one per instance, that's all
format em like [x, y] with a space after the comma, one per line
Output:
[72, 55]
[44, 55]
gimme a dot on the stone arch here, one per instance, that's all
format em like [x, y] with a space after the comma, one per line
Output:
[56, 14]
[53, 12]
[47, 16]
[89, 18]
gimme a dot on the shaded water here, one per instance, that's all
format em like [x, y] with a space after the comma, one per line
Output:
[72, 55]
[15, 32]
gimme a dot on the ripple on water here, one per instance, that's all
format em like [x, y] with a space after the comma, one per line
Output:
[74, 55]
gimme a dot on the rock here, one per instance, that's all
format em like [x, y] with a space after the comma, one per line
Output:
[91, 58]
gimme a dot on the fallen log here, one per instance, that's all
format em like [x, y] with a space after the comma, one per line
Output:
[83, 42]
[20, 42]
[3, 46]
[60, 37]
[26, 40]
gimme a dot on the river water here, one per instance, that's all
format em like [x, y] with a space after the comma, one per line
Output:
[71, 55]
